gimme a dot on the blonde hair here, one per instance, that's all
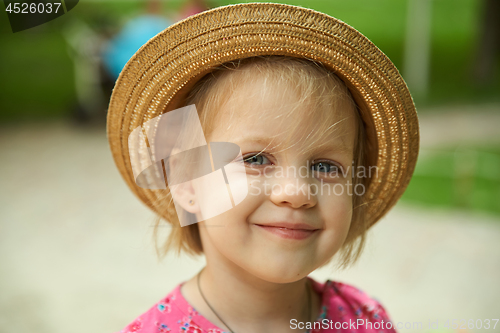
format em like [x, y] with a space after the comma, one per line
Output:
[313, 83]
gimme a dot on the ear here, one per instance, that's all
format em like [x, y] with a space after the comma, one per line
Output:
[184, 195]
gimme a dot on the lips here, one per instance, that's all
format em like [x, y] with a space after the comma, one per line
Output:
[289, 230]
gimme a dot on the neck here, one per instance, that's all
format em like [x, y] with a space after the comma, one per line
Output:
[238, 298]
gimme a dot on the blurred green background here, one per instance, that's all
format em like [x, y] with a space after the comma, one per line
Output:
[38, 80]
[461, 177]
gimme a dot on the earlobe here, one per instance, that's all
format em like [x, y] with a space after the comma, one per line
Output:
[184, 195]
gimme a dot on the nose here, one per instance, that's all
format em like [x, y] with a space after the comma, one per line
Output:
[293, 192]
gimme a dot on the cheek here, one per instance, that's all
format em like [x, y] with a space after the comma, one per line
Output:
[337, 214]
[230, 230]
[226, 191]
[336, 198]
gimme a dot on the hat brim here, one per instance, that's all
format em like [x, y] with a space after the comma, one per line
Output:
[157, 78]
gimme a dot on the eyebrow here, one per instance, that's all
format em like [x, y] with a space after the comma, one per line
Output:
[338, 146]
[255, 139]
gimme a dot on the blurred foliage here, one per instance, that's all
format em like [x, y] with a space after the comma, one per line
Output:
[459, 177]
[38, 75]
[36, 72]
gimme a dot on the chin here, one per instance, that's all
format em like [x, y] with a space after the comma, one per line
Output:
[281, 270]
[283, 277]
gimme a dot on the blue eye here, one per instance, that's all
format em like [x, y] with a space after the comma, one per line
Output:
[256, 160]
[325, 167]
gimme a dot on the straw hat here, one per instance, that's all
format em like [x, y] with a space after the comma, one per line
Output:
[159, 76]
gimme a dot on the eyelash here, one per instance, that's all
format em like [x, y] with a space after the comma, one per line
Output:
[333, 164]
[249, 156]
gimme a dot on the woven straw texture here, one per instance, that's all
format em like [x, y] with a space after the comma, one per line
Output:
[157, 77]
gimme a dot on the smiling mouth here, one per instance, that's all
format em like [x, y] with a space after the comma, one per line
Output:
[289, 232]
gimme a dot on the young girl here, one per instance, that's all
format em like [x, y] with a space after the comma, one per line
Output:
[327, 146]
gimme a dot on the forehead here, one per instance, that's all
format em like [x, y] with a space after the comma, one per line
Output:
[281, 114]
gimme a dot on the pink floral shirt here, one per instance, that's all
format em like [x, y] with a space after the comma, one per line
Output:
[344, 309]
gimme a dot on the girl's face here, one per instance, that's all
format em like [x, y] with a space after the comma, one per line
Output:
[298, 210]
